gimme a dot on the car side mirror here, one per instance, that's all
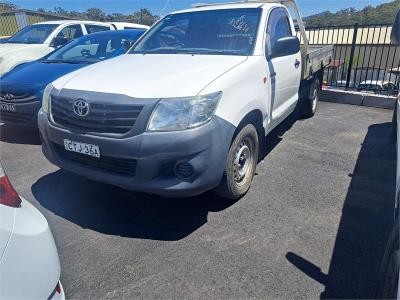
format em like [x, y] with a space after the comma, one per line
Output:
[58, 42]
[395, 36]
[286, 46]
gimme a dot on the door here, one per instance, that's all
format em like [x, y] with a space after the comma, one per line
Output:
[66, 35]
[285, 71]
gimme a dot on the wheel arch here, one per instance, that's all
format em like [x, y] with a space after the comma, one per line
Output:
[254, 117]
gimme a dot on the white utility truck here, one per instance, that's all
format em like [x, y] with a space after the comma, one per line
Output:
[37, 40]
[186, 110]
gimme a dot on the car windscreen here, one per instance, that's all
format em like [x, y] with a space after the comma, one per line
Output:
[212, 32]
[33, 34]
[94, 47]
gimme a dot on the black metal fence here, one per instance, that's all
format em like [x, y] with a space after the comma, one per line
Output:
[364, 59]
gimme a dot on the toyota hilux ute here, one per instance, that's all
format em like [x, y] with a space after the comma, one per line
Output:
[186, 110]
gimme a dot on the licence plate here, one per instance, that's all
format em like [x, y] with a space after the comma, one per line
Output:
[8, 107]
[87, 149]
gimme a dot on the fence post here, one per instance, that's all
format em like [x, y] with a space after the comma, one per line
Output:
[353, 47]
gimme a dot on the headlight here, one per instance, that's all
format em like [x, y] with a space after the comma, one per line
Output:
[1, 59]
[172, 114]
[46, 97]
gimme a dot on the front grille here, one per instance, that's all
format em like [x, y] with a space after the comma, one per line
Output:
[103, 118]
[119, 166]
[12, 97]
[17, 117]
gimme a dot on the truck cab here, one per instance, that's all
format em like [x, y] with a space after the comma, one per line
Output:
[188, 107]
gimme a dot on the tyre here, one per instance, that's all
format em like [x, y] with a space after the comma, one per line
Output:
[310, 102]
[389, 272]
[240, 164]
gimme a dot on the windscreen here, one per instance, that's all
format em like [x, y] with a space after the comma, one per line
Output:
[213, 32]
[33, 34]
[94, 48]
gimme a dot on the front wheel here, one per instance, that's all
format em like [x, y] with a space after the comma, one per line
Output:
[240, 164]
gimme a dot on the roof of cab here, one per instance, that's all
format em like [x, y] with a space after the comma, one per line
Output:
[229, 6]
[61, 22]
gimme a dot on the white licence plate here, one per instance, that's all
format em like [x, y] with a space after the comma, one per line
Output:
[87, 149]
[8, 107]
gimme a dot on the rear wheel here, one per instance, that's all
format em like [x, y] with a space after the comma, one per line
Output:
[240, 164]
[310, 102]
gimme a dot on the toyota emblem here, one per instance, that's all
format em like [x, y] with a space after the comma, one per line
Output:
[81, 107]
[8, 96]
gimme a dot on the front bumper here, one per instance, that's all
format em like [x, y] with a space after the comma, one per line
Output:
[24, 116]
[155, 155]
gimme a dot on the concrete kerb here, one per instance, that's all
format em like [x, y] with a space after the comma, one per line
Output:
[357, 98]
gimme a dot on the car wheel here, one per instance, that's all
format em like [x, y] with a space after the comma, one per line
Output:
[240, 164]
[310, 103]
[389, 272]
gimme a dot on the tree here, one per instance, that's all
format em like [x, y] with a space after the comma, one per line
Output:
[5, 6]
[143, 16]
[95, 14]
[384, 13]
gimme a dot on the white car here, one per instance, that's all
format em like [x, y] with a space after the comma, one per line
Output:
[187, 109]
[29, 263]
[126, 25]
[37, 40]
[378, 86]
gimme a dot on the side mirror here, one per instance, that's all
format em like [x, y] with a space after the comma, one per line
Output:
[58, 42]
[286, 46]
[395, 36]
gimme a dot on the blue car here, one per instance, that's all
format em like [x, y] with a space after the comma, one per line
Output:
[21, 89]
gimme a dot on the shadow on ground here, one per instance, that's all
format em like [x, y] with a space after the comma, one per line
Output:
[111, 210]
[365, 223]
[114, 211]
[13, 135]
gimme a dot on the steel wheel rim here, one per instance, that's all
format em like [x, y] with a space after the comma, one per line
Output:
[315, 100]
[242, 163]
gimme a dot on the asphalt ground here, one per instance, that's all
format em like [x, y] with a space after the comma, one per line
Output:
[314, 224]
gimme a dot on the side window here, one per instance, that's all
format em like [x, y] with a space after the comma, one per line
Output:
[71, 32]
[87, 49]
[278, 27]
[95, 28]
[113, 45]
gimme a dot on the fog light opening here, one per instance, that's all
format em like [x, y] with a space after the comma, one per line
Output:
[184, 170]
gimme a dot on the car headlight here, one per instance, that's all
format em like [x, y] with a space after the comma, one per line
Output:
[172, 114]
[46, 97]
[1, 59]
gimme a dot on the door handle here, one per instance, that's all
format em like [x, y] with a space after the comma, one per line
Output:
[297, 63]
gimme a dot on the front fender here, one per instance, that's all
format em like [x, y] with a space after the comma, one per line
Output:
[243, 90]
